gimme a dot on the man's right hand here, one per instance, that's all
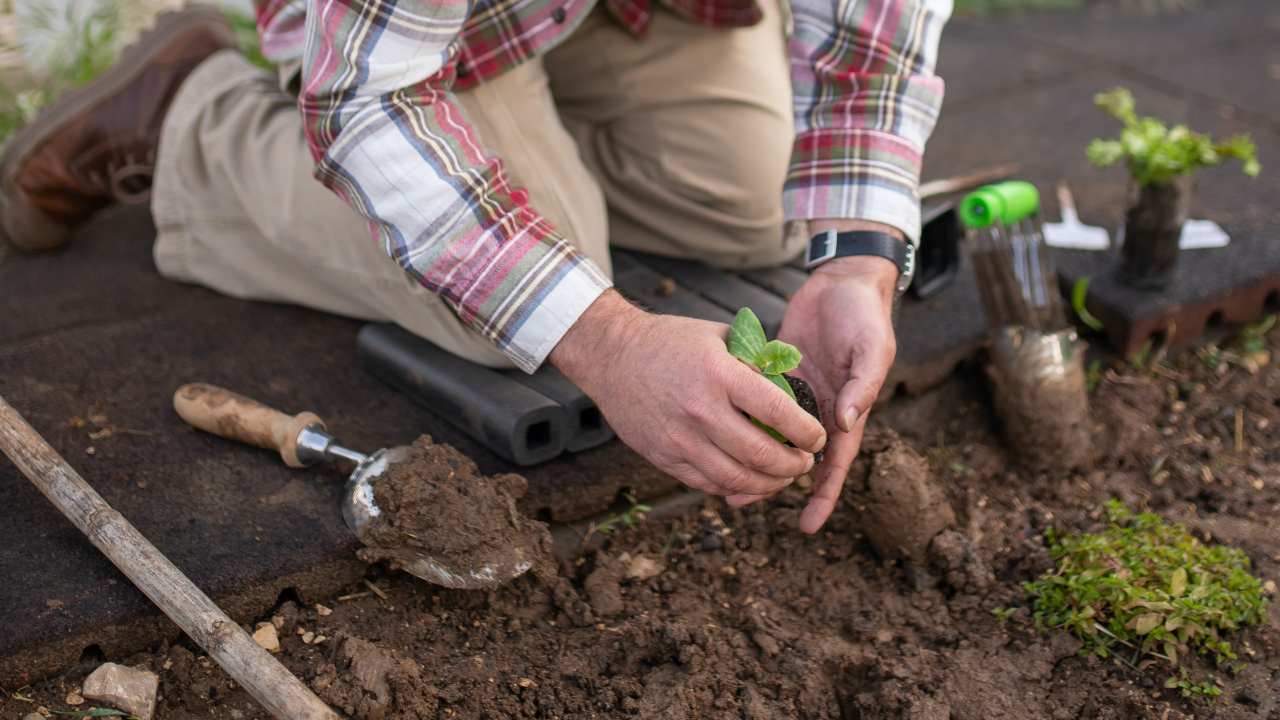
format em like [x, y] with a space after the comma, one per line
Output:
[670, 389]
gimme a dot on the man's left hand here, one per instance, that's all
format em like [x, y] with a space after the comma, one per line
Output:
[841, 320]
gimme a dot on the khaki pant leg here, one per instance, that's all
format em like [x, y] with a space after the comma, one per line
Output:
[689, 131]
[237, 209]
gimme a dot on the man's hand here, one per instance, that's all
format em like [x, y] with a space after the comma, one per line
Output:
[841, 320]
[670, 389]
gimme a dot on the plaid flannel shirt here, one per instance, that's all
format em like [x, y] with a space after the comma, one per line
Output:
[387, 135]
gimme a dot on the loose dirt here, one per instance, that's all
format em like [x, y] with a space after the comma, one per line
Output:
[436, 503]
[885, 614]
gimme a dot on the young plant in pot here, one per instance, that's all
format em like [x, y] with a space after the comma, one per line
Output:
[774, 359]
[1161, 161]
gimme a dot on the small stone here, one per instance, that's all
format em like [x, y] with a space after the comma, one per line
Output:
[308, 637]
[323, 611]
[319, 639]
[666, 288]
[277, 621]
[91, 450]
[266, 637]
[525, 682]
[729, 570]
[1269, 587]
[74, 698]
[124, 688]
[33, 716]
[640, 567]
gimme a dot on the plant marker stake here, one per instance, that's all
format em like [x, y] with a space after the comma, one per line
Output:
[273, 686]
[1071, 233]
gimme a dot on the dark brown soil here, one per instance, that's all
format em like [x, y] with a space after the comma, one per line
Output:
[435, 503]
[807, 400]
[885, 614]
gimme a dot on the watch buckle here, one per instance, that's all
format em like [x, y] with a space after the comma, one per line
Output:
[828, 249]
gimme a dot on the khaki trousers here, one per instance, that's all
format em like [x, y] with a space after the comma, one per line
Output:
[676, 144]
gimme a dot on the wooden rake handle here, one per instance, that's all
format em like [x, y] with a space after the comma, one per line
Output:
[235, 417]
[282, 694]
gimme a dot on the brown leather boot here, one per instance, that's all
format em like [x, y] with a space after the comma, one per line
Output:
[97, 145]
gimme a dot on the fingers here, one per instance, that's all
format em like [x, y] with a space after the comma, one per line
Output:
[830, 476]
[751, 393]
[730, 477]
[756, 449]
[857, 395]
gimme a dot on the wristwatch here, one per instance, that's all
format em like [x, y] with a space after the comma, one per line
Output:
[830, 245]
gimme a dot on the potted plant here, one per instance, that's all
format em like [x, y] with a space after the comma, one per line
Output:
[1160, 160]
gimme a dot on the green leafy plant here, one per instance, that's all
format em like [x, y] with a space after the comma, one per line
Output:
[773, 358]
[1145, 588]
[64, 45]
[1156, 153]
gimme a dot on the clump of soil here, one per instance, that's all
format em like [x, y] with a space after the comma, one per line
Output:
[905, 507]
[435, 503]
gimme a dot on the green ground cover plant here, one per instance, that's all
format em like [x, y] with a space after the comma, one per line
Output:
[1146, 591]
[1155, 153]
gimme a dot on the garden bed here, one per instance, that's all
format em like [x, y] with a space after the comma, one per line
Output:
[746, 617]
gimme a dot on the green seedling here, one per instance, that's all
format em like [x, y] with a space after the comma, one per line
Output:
[773, 358]
[1080, 293]
[1146, 589]
[1157, 154]
[632, 516]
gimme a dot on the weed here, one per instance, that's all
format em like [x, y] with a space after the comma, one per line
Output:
[633, 515]
[1156, 153]
[1146, 588]
[1141, 357]
[773, 358]
[1207, 688]
[1003, 614]
[1253, 337]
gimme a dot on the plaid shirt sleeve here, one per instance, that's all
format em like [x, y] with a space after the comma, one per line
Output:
[389, 137]
[866, 100]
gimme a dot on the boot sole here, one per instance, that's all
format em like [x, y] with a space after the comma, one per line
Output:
[29, 229]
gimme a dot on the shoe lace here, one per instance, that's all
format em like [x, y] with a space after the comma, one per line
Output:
[125, 178]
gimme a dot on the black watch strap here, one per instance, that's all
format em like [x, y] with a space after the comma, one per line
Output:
[830, 245]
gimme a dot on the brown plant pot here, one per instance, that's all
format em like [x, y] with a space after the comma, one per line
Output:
[1152, 228]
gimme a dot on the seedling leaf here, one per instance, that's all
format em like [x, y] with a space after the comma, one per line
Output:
[777, 357]
[746, 337]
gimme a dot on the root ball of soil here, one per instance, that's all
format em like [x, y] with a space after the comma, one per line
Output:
[806, 400]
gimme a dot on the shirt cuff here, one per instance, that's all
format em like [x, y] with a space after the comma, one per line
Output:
[578, 285]
[855, 174]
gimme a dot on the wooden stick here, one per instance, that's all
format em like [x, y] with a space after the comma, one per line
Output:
[944, 186]
[282, 694]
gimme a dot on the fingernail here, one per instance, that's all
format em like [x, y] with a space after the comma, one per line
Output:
[850, 417]
[809, 465]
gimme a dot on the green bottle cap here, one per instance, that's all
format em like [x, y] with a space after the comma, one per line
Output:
[1006, 203]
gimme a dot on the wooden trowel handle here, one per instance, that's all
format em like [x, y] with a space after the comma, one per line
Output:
[235, 417]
